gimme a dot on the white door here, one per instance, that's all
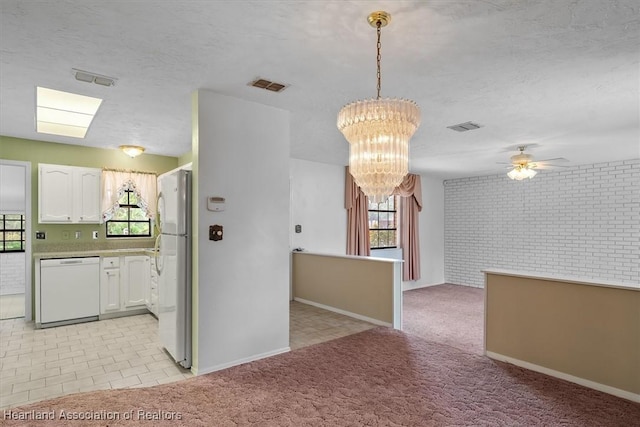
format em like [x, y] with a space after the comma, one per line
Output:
[15, 199]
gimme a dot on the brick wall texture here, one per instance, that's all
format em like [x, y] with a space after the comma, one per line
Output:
[581, 221]
[12, 272]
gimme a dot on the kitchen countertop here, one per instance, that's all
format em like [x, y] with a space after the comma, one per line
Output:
[93, 253]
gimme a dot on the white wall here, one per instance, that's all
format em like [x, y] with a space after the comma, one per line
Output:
[317, 203]
[241, 284]
[431, 235]
[580, 221]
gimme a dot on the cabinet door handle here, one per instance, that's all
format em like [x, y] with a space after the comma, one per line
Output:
[68, 217]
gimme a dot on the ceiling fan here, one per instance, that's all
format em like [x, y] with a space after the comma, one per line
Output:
[524, 166]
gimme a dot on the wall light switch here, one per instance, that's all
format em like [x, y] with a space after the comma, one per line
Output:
[40, 235]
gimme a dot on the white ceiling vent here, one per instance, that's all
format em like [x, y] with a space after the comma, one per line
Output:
[463, 127]
[89, 77]
[268, 85]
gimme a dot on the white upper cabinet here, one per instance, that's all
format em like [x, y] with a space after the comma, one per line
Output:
[87, 185]
[68, 194]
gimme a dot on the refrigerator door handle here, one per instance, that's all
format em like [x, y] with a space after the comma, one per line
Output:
[159, 211]
[156, 249]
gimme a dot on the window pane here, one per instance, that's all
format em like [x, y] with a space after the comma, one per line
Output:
[392, 220]
[13, 235]
[1, 246]
[13, 217]
[133, 200]
[121, 213]
[373, 239]
[13, 225]
[117, 228]
[137, 213]
[373, 219]
[124, 200]
[139, 229]
[393, 238]
[384, 220]
[12, 246]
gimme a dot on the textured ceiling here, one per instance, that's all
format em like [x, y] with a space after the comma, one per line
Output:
[560, 76]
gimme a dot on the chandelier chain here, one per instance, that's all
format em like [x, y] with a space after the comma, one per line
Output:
[379, 45]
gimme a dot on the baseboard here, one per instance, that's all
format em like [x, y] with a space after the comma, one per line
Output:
[134, 312]
[241, 361]
[567, 377]
[407, 287]
[346, 313]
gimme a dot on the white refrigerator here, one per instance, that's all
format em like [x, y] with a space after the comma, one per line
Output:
[174, 264]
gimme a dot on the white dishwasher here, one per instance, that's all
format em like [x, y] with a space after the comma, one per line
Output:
[69, 289]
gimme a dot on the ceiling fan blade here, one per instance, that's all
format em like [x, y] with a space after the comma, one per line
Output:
[557, 159]
[538, 165]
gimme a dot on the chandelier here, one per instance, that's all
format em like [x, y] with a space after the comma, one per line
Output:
[378, 131]
[520, 172]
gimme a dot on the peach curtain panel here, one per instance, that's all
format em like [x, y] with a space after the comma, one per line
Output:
[357, 206]
[410, 192]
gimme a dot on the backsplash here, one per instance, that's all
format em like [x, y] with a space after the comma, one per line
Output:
[92, 246]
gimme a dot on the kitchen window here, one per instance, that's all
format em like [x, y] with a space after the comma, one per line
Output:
[383, 224]
[129, 220]
[12, 233]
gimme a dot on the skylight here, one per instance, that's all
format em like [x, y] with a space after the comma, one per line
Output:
[64, 113]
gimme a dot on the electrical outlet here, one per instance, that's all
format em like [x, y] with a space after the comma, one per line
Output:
[65, 235]
[94, 234]
[78, 234]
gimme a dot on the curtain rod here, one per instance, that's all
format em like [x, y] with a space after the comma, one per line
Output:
[129, 171]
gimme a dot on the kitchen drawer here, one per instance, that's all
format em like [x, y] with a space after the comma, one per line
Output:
[111, 262]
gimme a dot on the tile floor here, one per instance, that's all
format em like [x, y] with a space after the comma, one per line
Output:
[38, 364]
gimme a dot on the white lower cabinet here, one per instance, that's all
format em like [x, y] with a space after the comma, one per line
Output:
[110, 285]
[123, 283]
[135, 281]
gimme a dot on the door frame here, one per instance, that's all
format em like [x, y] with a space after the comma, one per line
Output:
[28, 262]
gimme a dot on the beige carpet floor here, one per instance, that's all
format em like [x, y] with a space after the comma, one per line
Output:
[379, 377]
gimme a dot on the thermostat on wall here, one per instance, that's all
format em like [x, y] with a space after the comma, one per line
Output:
[215, 204]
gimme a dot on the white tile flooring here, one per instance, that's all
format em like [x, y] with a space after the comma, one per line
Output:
[38, 364]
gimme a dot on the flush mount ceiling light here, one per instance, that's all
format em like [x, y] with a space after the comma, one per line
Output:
[132, 150]
[64, 113]
[378, 131]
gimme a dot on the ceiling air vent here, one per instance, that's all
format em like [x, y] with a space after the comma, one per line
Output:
[268, 85]
[463, 127]
[89, 77]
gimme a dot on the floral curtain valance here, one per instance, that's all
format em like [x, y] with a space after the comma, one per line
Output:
[114, 185]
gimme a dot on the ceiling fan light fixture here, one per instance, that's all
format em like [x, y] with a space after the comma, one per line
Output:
[521, 172]
[132, 150]
[378, 131]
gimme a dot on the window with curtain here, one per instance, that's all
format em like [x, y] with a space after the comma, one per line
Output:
[129, 219]
[128, 203]
[383, 224]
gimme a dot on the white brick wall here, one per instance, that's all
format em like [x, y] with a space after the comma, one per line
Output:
[582, 221]
[12, 273]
